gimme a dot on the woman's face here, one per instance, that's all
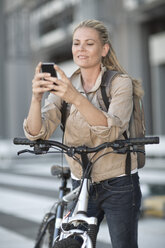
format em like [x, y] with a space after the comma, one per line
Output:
[87, 48]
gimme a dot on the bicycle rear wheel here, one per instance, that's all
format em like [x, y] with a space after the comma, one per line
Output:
[45, 233]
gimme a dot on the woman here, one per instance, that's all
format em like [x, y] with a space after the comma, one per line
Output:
[117, 195]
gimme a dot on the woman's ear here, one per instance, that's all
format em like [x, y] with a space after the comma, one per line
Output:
[105, 49]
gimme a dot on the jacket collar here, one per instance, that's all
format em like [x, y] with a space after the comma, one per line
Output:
[77, 82]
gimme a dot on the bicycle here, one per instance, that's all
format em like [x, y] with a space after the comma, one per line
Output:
[74, 229]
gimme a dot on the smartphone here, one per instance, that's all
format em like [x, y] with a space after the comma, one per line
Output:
[49, 67]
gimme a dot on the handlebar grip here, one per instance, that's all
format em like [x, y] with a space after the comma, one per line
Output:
[145, 140]
[23, 141]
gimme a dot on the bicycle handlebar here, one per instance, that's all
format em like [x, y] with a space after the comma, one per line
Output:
[118, 144]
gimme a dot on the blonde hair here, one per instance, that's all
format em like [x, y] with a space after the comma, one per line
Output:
[110, 61]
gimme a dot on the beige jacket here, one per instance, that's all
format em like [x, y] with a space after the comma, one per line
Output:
[79, 132]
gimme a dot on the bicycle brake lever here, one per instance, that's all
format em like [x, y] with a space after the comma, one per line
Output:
[125, 150]
[23, 151]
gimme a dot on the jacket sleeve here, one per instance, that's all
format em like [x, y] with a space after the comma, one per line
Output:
[120, 109]
[51, 118]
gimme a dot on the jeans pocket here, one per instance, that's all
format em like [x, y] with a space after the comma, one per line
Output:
[119, 184]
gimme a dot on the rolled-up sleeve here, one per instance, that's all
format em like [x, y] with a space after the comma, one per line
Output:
[40, 135]
[51, 118]
[119, 112]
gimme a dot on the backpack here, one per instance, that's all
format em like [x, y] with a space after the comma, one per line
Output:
[137, 122]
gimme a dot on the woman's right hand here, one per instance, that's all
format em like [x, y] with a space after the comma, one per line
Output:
[40, 83]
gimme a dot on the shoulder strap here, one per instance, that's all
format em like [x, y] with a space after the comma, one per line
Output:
[128, 158]
[103, 91]
[63, 115]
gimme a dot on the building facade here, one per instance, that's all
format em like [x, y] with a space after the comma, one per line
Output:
[41, 30]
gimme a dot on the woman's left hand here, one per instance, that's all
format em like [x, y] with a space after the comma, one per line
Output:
[63, 87]
[68, 92]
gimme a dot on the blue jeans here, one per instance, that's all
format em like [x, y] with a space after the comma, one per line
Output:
[119, 199]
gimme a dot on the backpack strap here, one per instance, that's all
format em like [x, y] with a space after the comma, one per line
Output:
[63, 115]
[128, 158]
[104, 89]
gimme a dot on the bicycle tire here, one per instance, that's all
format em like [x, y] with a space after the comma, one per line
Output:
[46, 238]
[67, 243]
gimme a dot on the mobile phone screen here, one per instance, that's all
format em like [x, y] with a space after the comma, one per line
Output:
[49, 67]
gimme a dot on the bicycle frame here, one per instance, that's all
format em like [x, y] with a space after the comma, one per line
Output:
[79, 214]
[59, 211]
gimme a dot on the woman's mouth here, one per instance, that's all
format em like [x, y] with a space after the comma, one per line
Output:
[82, 57]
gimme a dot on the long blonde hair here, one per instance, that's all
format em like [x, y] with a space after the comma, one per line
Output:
[110, 61]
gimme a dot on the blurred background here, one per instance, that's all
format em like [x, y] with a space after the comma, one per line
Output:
[41, 30]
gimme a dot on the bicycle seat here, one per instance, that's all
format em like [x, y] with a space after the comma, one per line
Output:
[61, 172]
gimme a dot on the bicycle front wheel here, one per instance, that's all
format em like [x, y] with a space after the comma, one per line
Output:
[45, 233]
[67, 243]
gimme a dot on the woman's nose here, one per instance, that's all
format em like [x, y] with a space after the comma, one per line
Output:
[82, 47]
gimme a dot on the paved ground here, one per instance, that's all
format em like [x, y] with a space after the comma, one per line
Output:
[27, 192]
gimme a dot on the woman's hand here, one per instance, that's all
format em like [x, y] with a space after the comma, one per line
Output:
[68, 92]
[63, 87]
[41, 83]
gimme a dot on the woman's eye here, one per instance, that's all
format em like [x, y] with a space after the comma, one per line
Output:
[78, 44]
